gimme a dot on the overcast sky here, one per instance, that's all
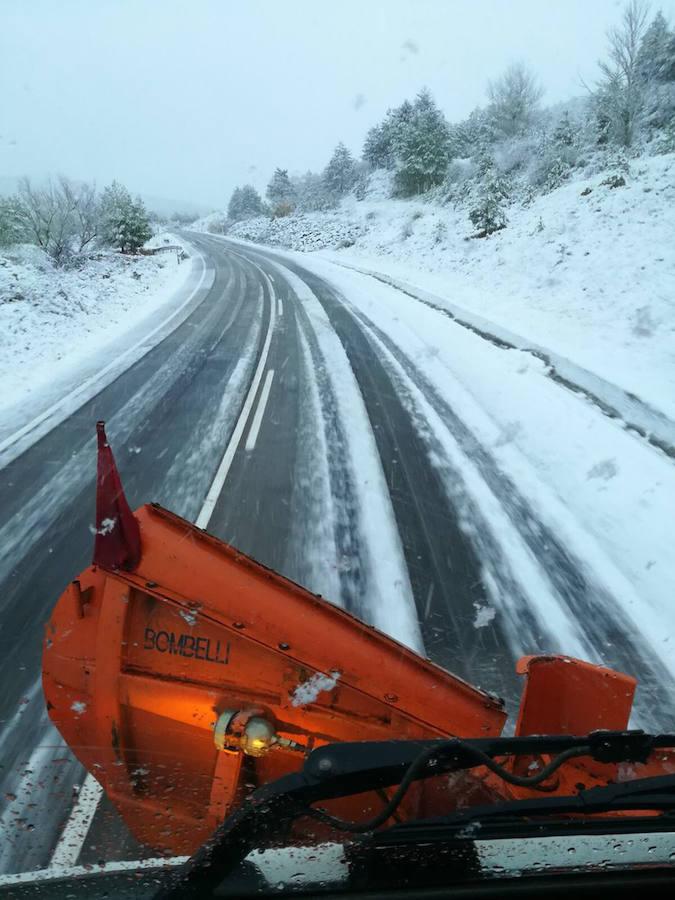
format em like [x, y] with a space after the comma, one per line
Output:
[186, 99]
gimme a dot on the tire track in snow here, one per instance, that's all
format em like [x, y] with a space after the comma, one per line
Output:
[371, 568]
[446, 575]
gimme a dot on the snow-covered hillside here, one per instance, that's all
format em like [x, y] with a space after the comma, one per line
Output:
[586, 270]
[51, 318]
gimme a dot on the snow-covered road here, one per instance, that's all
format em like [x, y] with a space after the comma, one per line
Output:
[435, 483]
[568, 509]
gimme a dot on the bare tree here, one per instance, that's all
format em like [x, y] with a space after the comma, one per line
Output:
[47, 217]
[61, 217]
[82, 199]
[514, 100]
[621, 94]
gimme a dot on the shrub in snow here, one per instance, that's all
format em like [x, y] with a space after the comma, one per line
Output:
[563, 133]
[558, 172]
[281, 210]
[361, 186]
[614, 181]
[407, 230]
[666, 140]
[217, 225]
[311, 194]
[514, 155]
[440, 232]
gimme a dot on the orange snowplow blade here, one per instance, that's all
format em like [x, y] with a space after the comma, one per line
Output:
[138, 667]
[184, 674]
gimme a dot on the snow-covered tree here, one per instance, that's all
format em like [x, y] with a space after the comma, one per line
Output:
[280, 191]
[488, 214]
[563, 133]
[514, 101]
[245, 203]
[380, 147]
[47, 217]
[83, 201]
[621, 95]
[311, 193]
[234, 206]
[654, 60]
[656, 69]
[62, 216]
[422, 147]
[11, 230]
[340, 173]
[125, 223]
[377, 148]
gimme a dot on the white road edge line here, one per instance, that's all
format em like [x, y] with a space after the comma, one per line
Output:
[96, 377]
[58, 872]
[226, 462]
[260, 411]
[77, 827]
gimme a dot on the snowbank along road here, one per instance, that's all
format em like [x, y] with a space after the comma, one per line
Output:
[368, 447]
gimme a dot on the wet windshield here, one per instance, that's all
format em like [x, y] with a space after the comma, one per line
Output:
[375, 302]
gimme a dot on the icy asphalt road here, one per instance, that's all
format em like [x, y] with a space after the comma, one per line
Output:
[339, 480]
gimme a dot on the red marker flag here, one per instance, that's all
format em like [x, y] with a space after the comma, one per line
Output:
[117, 544]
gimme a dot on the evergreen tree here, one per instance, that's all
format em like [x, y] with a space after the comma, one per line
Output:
[340, 173]
[11, 229]
[251, 202]
[234, 206]
[124, 221]
[377, 148]
[422, 147]
[488, 215]
[655, 66]
[245, 203]
[654, 61]
[563, 133]
[380, 147]
[280, 190]
[473, 133]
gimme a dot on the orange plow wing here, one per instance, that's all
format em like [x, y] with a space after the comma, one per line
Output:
[140, 667]
[184, 674]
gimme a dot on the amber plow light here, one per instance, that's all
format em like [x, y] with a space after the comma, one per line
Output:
[183, 674]
[250, 732]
